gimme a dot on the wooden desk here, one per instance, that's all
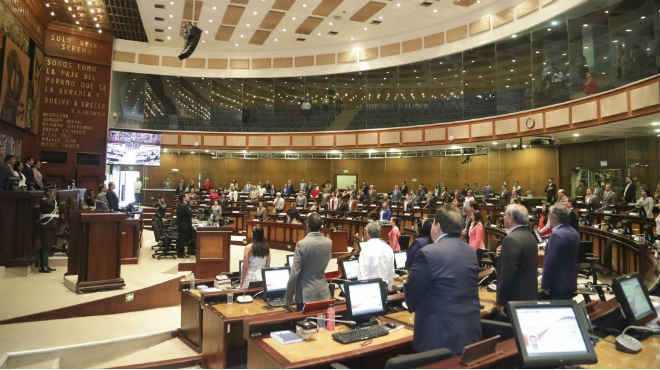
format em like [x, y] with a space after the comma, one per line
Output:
[507, 348]
[131, 240]
[279, 235]
[212, 252]
[610, 358]
[19, 212]
[266, 352]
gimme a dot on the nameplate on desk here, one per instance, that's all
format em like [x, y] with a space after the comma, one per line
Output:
[493, 225]
[281, 214]
[416, 207]
[349, 218]
[406, 214]
[608, 212]
[539, 207]
[235, 212]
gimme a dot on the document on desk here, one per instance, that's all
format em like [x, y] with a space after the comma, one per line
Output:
[286, 337]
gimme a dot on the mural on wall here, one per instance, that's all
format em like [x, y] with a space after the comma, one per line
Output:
[11, 145]
[13, 28]
[34, 92]
[15, 81]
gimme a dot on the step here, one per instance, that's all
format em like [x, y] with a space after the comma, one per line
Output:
[172, 350]
[49, 363]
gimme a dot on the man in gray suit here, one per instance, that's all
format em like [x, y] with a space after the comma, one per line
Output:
[307, 278]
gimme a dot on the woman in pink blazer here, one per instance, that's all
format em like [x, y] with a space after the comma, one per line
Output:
[477, 231]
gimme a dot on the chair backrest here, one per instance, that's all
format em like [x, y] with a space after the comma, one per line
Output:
[418, 359]
[586, 246]
[607, 254]
[491, 328]
[404, 242]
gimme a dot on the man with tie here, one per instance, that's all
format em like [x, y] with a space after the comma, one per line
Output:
[609, 197]
[551, 192]
[407, 204]
[396, 194]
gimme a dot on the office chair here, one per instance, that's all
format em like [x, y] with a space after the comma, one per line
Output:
[491, 328]
[167, 246]
[587, 261]
[416, 360]
[404, 242]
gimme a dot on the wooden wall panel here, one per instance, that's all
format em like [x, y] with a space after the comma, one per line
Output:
[434, 40]
[435, 134]
[169, 139]
[346, 57]
[557, 117]
[390, 137]
[584, 112]
[304, 61]
[482, 129]
[531, 167]
[346, 140]
[370, 138]
[411, 45]
[526, 7]
[236, 140]
[368, 54]
[123, 56]
[260, 63]
[479, 26]
[195, 63]
[169, 61]
[324, 140]
[411, 136]
[506, 126]
[258, 141]
[283, 62]
[458, 33]
[191, 140]
[459, 132]
[614, 104]
[148, 59]
[239, 63]
[390, 49]
[301, 140]
[214, 140]
[217, 63]
[503, 17]
[645, 96]
[280, 140]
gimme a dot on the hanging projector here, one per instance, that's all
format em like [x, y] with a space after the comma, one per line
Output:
[192, 36]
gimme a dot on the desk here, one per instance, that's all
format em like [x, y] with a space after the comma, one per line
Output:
[212, 252]
[131, 240]
[265, 352]
[279, 235]
[610, 358]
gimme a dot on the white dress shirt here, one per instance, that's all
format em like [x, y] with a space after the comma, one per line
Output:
[278, 204]
[376, 261]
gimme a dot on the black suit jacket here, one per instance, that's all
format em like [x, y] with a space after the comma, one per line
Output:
[29, 175]
[183, 217]
[551, 193]
[113, 201]
[442, 290]
[516, 267]
[4, 176]
[629, 195]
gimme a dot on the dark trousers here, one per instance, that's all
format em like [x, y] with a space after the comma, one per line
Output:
[138, 199]
[184, 238]
[48, 236]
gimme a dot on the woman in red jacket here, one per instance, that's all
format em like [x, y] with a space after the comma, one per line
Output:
[545, 230]
[477, 231]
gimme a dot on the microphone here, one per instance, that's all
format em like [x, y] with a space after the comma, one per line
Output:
[349, 322]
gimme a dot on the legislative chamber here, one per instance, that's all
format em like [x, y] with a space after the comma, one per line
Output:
[330, 184]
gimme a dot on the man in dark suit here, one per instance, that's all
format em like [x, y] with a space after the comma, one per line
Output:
[28, 172]
[404, 189]
[518, 255]
[184, 227]
[561, 253]
[442, 288]
[113, 200]
[551, 192]
[630, 191]
[307, 279]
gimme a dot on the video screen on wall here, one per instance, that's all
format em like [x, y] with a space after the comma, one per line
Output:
[133, 148]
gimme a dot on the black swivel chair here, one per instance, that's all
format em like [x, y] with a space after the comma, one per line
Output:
[167, 245]
[404, 242]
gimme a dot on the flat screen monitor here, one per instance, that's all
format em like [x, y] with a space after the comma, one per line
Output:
[289, 260]
[551, 333]
[400, 260]
[364, 299]
[133, 148]
[634, 299]
[275, 280]
[350, 268]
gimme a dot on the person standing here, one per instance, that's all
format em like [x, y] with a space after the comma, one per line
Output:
[37, 177]
[591, 200]
[376, 257]
[442, 288]
[307, 278]
[28, 172]
[518, 255]
[101, 200]
[6, 171]
[138, 191]
[394, 235]
[184, 227]
[609, 197]
[477, 232]
[645, 202]
[256, 256]
[551, 192]
[423, 239]
[278, 203]
[630, 191]
[113, 200]
[396, 194]
[385, 212]
[560, 261]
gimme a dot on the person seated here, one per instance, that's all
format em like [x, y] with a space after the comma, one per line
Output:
[376, 257]
[256, 256]
[261, 213]
[307, 278]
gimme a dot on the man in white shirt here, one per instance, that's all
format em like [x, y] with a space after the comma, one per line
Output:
[469, 198]
[278, 203]
[376, 257]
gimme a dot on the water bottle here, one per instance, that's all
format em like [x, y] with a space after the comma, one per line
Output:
[192, 280]
[330, 324]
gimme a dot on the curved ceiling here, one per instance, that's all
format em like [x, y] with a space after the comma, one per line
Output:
[261, 25]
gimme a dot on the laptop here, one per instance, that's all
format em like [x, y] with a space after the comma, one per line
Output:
[275, 282]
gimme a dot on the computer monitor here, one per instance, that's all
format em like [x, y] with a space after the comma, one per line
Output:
[275, 280]
[400, 260]
[351, 267]
[634, 299]
[365, 299]
[240, 268]
[551, 333]
[289, 260]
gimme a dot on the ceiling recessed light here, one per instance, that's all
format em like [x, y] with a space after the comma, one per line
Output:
[92, 11]
[318, 34]
[276, 40]
[628, 30]
[247, 25]
[514, 36]
[554, 23]
[283, 29]
[210, 20]
[95, 19]
[255, 12]
[100, 31]
[576, 134]
[89, 3]
[214, 7]
[169, 37]
[77, 22]
[236, 44]
[171, 2]
[494, 142]
[169, 27]
[656, 123]
[52, 13]
[206, 32]
[97, 25]
[331, 23]
[642, 17]
[69, 8]
[293, 18]
[398, 4]
[203, 41]
[435, 10]
[304, 5]
[47, 5]
[364, 28]
[242, 36]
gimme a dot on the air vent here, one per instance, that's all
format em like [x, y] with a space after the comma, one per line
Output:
[160, 40]
[300, 39]
[333, 33]
[426, 3]
[159, 6]
[160, 19]
[159, 30]
[376, 22]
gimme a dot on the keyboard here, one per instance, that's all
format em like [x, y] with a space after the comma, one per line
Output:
[276, 302]
[356, 335]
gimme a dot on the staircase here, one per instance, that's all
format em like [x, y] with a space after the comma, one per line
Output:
[343, 120]
[155, 350]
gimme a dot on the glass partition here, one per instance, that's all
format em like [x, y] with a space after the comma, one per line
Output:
[590, 49]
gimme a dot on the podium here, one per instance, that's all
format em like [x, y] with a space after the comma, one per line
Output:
[19, 214]
[95, 251]
[212, 252]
